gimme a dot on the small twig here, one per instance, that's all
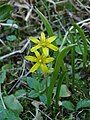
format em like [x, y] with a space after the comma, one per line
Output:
[3, 43]
[30, 113]
[21, 5]
[15, 52]
[45, 114]
[29, 14]
[2, 98]
[64, 39]
[36, 105]
[9, 25]
[60, 2]
[83, 6]
[79, 113]
[19, 80]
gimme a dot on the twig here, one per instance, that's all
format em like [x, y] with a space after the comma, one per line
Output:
[21, 5]
[36, 105]
[19, 80]
[10, 25]
[5, 44]
[2, 98]
[29, 13]
[45, 114]
[30, 113]
[83, 6]
[15, 52]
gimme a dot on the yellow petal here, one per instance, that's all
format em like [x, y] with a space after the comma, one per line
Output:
[42, 38]
[31, 58]
[51, 46]
[45, 51]
[33, 49]
[44, 68]
[51, 39]
[35, 40]
[49, 59]
[37, 53]
[35, 67]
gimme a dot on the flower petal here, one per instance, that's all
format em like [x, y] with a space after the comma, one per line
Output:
[51, 39]
[51, 46]
[45, 51]
[35, 67]
[33, 49]
[35, 40]
[42, 38]
[37, 53]
[49, 59]
[31, 58]
[44, 68]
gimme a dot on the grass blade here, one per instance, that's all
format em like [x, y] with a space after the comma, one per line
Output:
[58, 64]
[46, 23]
[84, 39]
[60, 80]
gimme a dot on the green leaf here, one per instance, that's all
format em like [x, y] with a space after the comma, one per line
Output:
[68, 105]
[11, 38]
[43, 98]
[2, 76]
[84, 39]
[83, 104]
[58, 64]
[78, 50]
[8, 115]
[33, 94]
[13, 104]
[10, 21]
[58, 88]
[5, 12]
[20, 93]
[46, 23]
[33, 83]
[64, 92]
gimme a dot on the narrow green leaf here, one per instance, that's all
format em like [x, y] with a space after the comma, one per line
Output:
[84, 39]
[46, 23]
[60, 80]
[2, 76]
[58, 64]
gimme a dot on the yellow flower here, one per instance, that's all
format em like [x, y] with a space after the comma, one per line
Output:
[41, 61]
[43, 43]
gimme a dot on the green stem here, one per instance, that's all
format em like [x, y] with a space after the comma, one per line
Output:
[60, 80]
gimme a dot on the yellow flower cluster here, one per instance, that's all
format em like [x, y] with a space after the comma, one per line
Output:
[41, 60]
